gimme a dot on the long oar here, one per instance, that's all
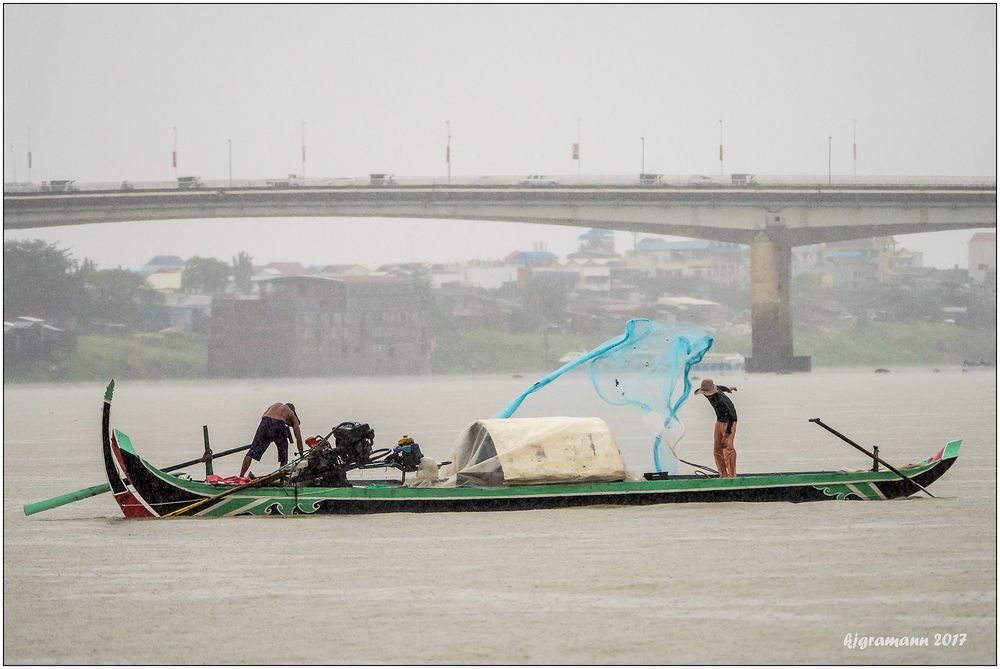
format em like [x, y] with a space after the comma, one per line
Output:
[84, 493]
[869, 454]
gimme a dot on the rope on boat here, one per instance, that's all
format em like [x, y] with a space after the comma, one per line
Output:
[696, 466]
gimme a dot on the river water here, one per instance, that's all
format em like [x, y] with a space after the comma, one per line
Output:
[675, 583]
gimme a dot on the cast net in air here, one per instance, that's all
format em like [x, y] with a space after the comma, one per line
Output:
[647, 368]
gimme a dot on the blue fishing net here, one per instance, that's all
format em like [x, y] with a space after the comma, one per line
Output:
[646, 368]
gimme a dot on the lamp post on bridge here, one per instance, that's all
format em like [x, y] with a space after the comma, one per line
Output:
[643, 168]
[722, 165]
[447, 151]
[576, 152]
[829, 161]
[230, 142]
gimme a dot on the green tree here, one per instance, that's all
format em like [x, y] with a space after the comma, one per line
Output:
[425, 299]
[243, 272]
[205, 275]
[543, 303]
[118, 296]
[39, 280]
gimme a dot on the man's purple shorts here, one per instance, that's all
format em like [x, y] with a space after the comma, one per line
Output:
[270, 429]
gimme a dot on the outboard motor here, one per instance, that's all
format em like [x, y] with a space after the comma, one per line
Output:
[328, 464]
[320, 469]
[354, 443]
[406, 455]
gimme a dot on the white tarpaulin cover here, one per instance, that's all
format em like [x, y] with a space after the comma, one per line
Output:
[526, 451]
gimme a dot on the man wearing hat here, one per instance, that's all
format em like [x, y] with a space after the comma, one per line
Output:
[273, 428]
[725, 426]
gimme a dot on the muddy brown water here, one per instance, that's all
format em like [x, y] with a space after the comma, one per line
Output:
[675, 583]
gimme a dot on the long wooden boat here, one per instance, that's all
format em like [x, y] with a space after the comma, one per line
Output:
[143, 491]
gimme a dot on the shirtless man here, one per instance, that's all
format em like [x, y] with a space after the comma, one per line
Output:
[273, 427]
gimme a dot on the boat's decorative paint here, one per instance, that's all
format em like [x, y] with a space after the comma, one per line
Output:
[866, 490]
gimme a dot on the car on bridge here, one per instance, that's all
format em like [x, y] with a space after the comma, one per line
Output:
[382, 179]
[699, 181]
[293, 181]
[59, 186]
[189, 182]
[651, 179]
[744, 179]
[539, 180]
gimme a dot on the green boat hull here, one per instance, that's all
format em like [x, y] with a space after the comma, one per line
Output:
[150, 492]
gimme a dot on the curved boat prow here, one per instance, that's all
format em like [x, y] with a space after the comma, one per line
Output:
[114, 465]
[932, 468]
[950, 452]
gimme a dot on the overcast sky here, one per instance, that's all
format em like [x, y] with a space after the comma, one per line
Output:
[102, 88]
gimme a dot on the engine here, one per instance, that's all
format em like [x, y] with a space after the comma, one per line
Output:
[327, 464]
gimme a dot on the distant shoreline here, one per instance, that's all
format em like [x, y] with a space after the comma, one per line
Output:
[895, 347]
[528, 377]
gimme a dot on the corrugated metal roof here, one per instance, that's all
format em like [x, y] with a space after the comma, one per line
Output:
[167, 261]
[594, 233]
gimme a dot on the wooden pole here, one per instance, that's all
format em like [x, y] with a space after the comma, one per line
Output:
[207, 457]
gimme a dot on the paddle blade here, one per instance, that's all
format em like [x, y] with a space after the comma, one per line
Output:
[68, 498]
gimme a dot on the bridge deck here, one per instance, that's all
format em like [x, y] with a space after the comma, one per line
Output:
[797, 214]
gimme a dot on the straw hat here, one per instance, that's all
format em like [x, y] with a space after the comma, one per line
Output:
[707, 387]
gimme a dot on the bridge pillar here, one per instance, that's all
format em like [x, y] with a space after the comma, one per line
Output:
[771, 308]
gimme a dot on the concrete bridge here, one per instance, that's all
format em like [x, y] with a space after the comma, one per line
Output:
[770, 218]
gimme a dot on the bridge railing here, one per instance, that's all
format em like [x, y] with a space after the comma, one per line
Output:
[727, 181]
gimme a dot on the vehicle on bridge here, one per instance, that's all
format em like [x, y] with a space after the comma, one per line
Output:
[651, 179]
[293, 181]
[189, 182]
[699, 181]
[539, 180]
[382, 179]
[744, 179]
[59, 186]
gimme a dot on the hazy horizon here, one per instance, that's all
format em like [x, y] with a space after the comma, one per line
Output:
[372, 241]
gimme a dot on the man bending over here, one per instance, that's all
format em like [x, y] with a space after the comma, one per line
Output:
[725, 426]
[273, 427]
